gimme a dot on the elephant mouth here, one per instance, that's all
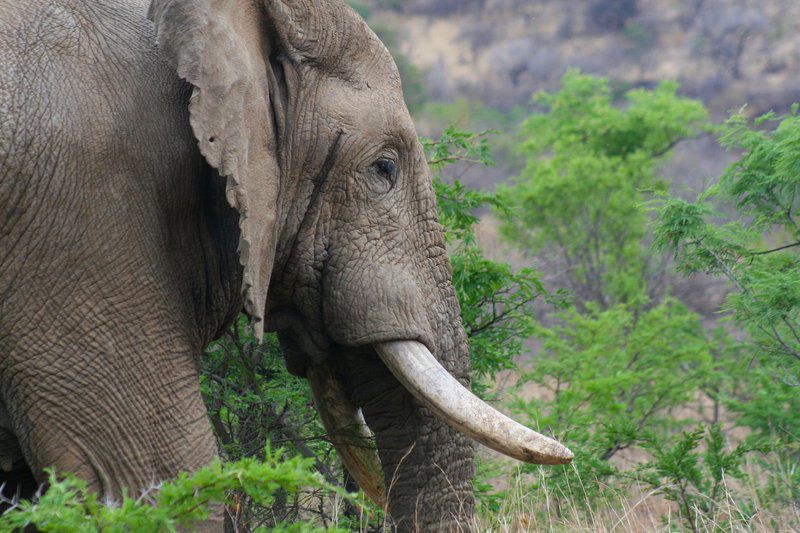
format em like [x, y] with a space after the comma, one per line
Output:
[415, 367]
[308, 351]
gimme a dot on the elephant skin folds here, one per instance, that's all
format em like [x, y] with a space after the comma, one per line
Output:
[158, 176]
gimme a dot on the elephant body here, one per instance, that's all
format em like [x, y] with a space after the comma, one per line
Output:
[107, 210]
[162, 169]
[118, 260]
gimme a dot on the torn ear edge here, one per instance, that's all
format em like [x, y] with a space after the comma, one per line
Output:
[237, 113]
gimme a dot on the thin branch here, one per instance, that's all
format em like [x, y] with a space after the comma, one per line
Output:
[453, 158]
[778, 249]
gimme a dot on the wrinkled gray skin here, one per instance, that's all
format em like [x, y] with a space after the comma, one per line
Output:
[122, 256]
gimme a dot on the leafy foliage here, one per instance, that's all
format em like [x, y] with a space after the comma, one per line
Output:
[587, 167]
[743, 229]
[248, 393]
[606, 377]
[619, 363]
[613, 372]
[253, 402]
[68, 505]
[757, 250]
[697, 482]
[496, 302]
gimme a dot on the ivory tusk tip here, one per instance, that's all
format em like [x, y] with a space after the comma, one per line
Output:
[549, 452]
[560, 456]
[567, 457]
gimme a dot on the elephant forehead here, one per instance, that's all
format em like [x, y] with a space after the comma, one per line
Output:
[365, 107]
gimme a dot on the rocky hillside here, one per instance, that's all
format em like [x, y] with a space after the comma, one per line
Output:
[725, 52]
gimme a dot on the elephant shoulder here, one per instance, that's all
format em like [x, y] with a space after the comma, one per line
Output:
[84, 71]
[88, 111]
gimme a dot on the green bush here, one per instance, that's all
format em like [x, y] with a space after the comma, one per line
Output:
[698, 482]
[68, 506]
[629, 366]
[756, 249]
[743, 228]
[588, 166]
[607, 377]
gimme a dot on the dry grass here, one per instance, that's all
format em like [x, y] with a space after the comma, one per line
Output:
[532, 505]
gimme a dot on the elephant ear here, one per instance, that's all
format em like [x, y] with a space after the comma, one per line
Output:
[222, 48]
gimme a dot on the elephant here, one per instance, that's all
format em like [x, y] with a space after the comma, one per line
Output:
[165, 167]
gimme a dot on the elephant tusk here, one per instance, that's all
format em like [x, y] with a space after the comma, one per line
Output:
[425, 378]
[348, 432]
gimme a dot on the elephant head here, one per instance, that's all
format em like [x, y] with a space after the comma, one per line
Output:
[299, 106]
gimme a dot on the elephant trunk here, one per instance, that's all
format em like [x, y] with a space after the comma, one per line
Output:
[425, 378]
[415, 398]
[427, 465]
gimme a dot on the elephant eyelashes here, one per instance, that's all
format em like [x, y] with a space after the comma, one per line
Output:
[384, 173]
[386, 169]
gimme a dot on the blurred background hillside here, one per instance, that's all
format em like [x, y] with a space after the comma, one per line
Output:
[498, 52]
[478, 62]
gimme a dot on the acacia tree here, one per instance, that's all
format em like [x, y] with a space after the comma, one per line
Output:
[744, 229]
[756, 249]
[755, 246]
[616, 367]
[588, 167]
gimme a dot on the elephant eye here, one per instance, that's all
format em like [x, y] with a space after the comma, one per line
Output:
[386, 168]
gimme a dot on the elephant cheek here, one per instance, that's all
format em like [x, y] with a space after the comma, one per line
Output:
[385, 304]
